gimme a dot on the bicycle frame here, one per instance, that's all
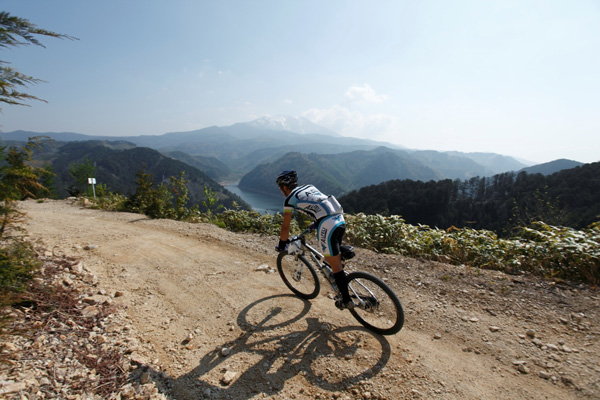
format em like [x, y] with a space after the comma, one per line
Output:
[318, 258]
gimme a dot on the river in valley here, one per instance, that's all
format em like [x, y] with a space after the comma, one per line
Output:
[260, 202]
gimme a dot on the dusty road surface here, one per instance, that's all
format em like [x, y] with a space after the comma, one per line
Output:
[215, 321]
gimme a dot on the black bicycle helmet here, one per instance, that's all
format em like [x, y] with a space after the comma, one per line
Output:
[287, 178]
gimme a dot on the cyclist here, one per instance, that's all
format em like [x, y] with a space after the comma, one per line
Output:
[329, 220]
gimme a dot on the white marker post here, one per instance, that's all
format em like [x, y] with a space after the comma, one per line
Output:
[92, 181]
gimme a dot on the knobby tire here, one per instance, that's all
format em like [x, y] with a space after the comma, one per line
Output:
[298, 275]
[386, 316]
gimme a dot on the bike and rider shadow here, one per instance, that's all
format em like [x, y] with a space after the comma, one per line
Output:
[278, 353]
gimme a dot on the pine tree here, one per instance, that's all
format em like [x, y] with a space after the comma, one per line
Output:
[16, 32]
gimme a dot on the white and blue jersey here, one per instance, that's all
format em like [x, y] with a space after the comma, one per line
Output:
[322, 208]
[311, 201]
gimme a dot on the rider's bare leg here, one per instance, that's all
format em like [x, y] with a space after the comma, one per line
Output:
[335, 263]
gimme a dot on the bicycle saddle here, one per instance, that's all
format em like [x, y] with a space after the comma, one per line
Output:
[347, 252]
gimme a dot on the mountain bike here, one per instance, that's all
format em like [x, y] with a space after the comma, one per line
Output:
[376, 306]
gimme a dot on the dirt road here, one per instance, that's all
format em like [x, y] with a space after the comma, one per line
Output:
[214, 317]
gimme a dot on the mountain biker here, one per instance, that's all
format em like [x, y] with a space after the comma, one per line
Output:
[329, 220]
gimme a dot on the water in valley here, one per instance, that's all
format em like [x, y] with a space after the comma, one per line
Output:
[260, 202]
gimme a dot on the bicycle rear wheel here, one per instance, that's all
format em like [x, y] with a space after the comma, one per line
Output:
[377, 307]
[298, 275]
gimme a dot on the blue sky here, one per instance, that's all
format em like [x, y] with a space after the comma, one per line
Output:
[519, 78]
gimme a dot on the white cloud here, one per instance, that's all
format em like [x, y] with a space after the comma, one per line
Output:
[355, 123]
[365, 95]
[351, 119]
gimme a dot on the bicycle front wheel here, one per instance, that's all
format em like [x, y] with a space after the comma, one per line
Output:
[298, 275]
[376, 307]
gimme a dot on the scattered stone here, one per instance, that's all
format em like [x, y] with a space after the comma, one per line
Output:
[263, 267]
[524, 369]
[530, 333]
[9, 348]
[90, 312]
[56, 351]
[494, 329]
[77, 268]
[228, 377]
[145, 377]
[90, 247]
[225, 351]
[544, 375]
[437, 335]
[566, 380]
[566, 349]
[552, 347]
[12, 387]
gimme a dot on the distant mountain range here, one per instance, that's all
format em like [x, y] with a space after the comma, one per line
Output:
[255, 151]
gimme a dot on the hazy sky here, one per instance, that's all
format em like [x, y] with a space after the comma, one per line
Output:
[519, 78]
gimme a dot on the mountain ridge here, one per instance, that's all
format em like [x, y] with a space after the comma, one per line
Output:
[230, 152]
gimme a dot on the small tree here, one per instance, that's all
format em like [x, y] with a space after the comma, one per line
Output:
[18, 179]
[80, 172]
[211, 202]
[153, 202]
[141, 199]
[181, 194]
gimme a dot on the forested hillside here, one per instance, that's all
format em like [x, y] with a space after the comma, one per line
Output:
[552, 167]
[499, 203]
[339, 173]
[211, 166]
[115, 164]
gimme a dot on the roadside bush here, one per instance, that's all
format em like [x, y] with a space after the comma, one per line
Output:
[253, 221]
[109, 201]
[18, 262]
[560, 251]
[541, 249]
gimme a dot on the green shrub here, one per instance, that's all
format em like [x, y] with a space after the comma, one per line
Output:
[542, 249]
[18, 262]
[107, 200]
[253, 221]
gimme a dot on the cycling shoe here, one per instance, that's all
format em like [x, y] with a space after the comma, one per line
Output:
[344, 306]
